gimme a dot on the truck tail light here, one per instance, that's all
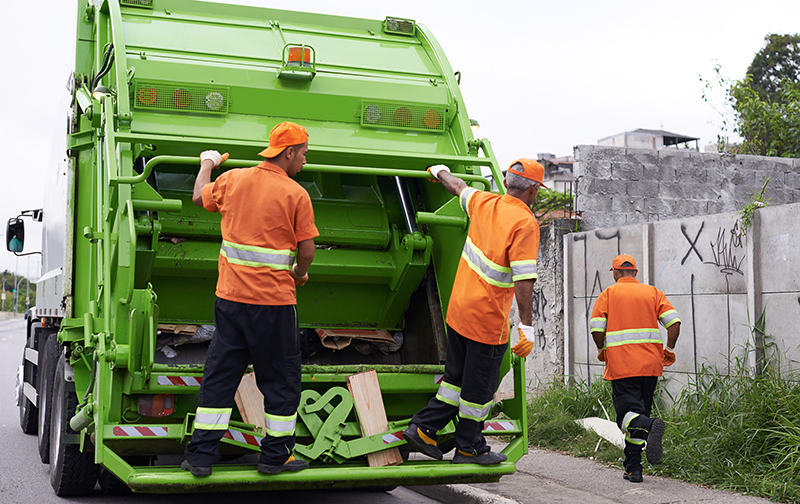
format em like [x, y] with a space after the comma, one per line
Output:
[432, 119]
[182, 98]
[159, 405]
[147, 95]
[402, 116]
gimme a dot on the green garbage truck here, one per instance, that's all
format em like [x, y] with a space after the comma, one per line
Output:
[116, 342]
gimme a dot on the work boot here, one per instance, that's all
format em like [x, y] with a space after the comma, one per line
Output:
[291, 464]
[196, 471]
[653, 449]
[633, 476]
[419, 441]
[488, 458]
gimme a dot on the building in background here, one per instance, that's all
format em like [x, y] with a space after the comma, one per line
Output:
[649, 139]
[557, 171]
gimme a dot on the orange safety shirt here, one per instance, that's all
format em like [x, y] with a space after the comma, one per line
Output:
[265, 214]
[501, 248]
[629, 313]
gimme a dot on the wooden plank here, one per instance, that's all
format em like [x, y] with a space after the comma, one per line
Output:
[366, 393]
[250, 402]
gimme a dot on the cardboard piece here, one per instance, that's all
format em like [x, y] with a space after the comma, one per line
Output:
[250, 402]
[366, 394]
[341, 338]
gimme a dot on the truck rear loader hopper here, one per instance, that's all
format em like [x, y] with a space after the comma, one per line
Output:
[127, 257]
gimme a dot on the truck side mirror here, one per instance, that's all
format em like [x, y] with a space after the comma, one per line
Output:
[15, 235]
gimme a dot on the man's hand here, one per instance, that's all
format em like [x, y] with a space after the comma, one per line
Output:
[601, 354]
[213, 156]
[669, 357]
[436, 170]
[298, 280]
[524, 347]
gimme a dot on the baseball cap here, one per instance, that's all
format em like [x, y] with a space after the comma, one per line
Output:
[620, 259]
[284, 135]
[531, 170]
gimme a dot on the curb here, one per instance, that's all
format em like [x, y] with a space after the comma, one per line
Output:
[460, 494]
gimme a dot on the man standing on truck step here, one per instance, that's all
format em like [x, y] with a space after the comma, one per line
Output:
[624, 326]
[267, 222]
[498, 261]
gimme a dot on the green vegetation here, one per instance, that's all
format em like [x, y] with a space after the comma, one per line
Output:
[738, 432]
[763, 107]
[24, 289]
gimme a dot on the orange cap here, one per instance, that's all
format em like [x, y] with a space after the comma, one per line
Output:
[617, 262]
[531, 170]
[284, 135]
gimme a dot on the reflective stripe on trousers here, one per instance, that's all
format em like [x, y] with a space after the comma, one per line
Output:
[212, 418]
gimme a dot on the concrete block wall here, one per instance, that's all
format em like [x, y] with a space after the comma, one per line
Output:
[719, 279]
[618, 186]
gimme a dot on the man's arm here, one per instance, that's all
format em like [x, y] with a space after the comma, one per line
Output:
[305, 256]
[523, 290]
[453, 184]
[208, 161]
[599, 338]
[673, 332]
[203, 178]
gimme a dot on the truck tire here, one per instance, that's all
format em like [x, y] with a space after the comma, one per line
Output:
[48, 357]
[28, 413]
[111, 485]
[72, 472]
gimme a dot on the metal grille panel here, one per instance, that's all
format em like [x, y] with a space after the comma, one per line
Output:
[405, 116]
[148, 4]
[152, 95]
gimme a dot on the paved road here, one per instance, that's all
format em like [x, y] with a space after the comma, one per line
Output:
[24, 479]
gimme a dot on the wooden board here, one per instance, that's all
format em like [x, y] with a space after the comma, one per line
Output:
[366, 393]
[250, 402]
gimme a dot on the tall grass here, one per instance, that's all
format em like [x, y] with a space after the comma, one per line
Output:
[739, 432]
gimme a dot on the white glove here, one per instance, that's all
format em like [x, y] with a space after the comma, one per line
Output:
[299, 280]
[437, 169]
[212, 155]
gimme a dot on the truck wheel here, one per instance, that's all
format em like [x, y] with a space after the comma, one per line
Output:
[28, 413]
[72, 472]
[111, 485]
[48, 357]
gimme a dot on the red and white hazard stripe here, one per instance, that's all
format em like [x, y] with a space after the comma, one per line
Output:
[393, 437]
[438, 379]
[130, 431]
[243, 438]
[498, 426]
[180, 381]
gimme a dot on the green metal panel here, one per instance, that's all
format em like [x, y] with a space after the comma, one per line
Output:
[189, 76]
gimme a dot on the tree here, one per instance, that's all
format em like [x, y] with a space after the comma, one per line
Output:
[778, 62]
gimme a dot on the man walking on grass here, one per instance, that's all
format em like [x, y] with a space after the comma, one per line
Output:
[624, 326]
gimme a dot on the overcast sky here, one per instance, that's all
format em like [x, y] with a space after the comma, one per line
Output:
[538, 76]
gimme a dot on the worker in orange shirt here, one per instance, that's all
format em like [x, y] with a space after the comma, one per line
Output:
[498, 261]
[624, 326]
[268, 232]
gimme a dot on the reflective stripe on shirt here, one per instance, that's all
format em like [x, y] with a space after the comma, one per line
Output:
[523, 270]
[631, 336]
[212, 418]
[598, 324]
[465, 196]
[488, 270]
[257, 257]
[668, 318]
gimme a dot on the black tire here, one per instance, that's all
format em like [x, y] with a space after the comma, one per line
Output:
[48, 357]
[72, 472]
[28, 413]
[111, 485]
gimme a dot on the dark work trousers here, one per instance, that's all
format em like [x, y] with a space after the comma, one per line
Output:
[634, 394]
[475, 368]
[267, 336]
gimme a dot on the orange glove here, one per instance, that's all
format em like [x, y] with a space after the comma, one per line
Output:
[524, 347]
[298, 280]
[214, 157]
[669, 357]
[436, 170]
[601, 354]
